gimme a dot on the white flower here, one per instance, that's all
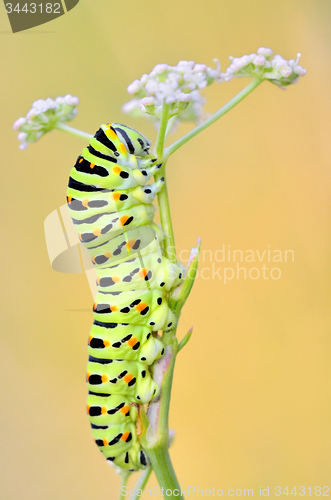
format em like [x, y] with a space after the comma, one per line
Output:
[299, 70]
[148, 101]
[174, 85]
[198, 68]
[160, 68]
[43, 116]
[277, 70]
[19, 122]
[263, 51]
[71, 100]
[134, 87]
[259, 60]
[130, 106]
[185, 97]
[151, 86]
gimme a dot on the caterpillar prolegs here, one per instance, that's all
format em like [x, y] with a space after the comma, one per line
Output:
[112, 209]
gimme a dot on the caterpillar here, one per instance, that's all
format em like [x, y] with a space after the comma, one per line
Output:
[111, 205]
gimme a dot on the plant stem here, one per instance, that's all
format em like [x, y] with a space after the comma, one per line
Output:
[156, 440]
[73, 131]
[165, 216]
[163, 199]
[164, 472]
[141, 482]
[170, 123]
[162, 131]
[229, 105]
[124, 481]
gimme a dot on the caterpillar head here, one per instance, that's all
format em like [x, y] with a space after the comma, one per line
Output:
[108, 143]
[135, 143]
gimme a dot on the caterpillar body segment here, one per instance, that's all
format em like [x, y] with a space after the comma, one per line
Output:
[110, 199]
[127, 378]
[118, 341]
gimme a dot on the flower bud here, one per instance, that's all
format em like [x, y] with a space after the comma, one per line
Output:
[19, 122]
[148, 105]
[44, 115]
[134, 87]
[259, 60]
[263, 51]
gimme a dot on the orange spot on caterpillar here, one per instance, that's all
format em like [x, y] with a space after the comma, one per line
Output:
[97, 232]
[130, 244]
[69, 199]
[141, 306]
[88, 409]
[117, 170]
[125, 436]
[125, 409]
[116, 279]
[132, 341]
[122, 148]
[108, 255]
[103, 410]
[85, 203]
[104, 378]
[128, 378]
[105, 442]
[106, 343]
[124, 219]
[80, 236]
[80, 161]
[112, 134]
[95, 306]
[92, 165]
[90, 338]
[143, 273]
[98, 279]
[116, 196]
[113, 308]
[87, 376]
[93, 260]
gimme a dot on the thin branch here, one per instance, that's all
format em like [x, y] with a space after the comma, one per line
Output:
[163, 199]
[162, 131]
[124, 481]
[141, 482]
[73, 131]
[213, 118]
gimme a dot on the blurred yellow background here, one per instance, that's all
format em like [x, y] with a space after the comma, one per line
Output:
[251, 394]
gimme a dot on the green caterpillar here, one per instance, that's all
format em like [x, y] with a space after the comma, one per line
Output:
[112, 209]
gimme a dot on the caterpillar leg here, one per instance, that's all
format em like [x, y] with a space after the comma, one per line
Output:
[152, 189]
[152, 170]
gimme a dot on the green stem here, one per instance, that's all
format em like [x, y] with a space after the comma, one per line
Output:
[165, 216]
[163, 199]
[156, 440]
[124, 481]
[221, 112]
[165, 473]
[170, 124]
[73, 131]
[162, 131]
[141, 482]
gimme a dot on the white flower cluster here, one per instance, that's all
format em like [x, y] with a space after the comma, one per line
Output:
[44, 115]
[175, 85]
[277, 70]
